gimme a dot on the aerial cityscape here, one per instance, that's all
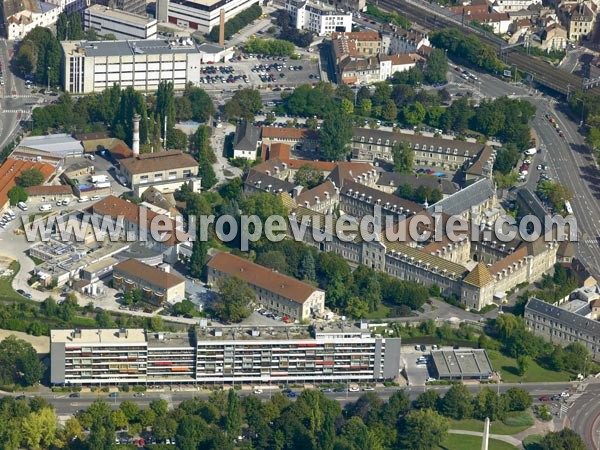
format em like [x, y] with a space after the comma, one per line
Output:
[300, 224]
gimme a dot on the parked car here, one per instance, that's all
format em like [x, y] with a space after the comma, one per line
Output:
[423, 348]
[113, 394]
[258, 391]
[75, 395]
[292, 395]
[368, 388]
[138, 394]
[430, 379]
[354, 389]
[544, 398]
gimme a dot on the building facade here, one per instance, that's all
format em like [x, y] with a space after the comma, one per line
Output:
[201, 15]
[94, 66]
[342, 352]
[318, 18]
[156, 285]
[281, 294]
[122, 24]
[562, 327]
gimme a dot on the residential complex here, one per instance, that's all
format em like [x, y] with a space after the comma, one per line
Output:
[165, 171]
[283, 295]
[121, 24]
[561, 326]
[319, 18]
[201, 15]
[94, 66]
[339, 352]
[157, 286]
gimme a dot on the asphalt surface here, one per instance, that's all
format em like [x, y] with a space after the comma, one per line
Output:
[65, 405]
[584, 415]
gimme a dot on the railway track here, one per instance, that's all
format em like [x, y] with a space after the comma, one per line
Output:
[543, 73]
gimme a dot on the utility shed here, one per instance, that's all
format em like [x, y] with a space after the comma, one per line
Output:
[467, 364]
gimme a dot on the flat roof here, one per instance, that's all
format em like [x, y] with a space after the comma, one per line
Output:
[153, 162]
[466, 363]
[131, 47]
[98, 336]
[123, 16]
[53, 143]
[168, 340]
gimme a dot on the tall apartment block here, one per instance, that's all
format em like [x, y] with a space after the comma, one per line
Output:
[343, 352]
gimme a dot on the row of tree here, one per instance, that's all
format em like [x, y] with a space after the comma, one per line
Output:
[236, 23]
[289, 32]
[273, 47]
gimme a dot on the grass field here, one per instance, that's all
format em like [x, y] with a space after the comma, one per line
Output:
[496, 427]
[6, 290]
[466, 442]
[507, 366]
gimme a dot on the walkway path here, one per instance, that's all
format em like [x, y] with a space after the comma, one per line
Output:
[500, 437]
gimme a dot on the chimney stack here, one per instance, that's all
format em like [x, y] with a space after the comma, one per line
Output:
[222, 29]
[136, 136]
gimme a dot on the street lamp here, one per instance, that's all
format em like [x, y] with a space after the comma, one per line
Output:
[582, 100]
[48, 73]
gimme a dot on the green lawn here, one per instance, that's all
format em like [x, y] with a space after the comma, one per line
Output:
[6, 290]
[507, 366]
[466, 442]
[496, 427]
[381, 313]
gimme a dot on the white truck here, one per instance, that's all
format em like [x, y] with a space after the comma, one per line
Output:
[102, 185]
[99, 178]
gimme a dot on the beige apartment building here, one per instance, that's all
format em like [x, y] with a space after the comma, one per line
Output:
[281, 294]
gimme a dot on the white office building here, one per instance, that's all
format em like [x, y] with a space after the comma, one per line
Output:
[201, 15]
[319, 18]
[122, 24]
[94, 66]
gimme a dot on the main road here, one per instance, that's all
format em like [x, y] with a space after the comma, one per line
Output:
[66, 405]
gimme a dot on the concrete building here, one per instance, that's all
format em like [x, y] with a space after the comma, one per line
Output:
[319, 18]
[281, 294]
[514, 5]
[356, 43]
[53, 149]
[156, 285]
[94, 66]
[339, 353]
[166, 171]
[563, 327]
[467, 364]
[201, 15]
[579, 18]
[122, 24]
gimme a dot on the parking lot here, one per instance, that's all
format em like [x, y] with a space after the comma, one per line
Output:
[417, 372]
[257, 71]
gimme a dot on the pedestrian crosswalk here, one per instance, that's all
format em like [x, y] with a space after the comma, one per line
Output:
[15, 111]
[590, 241]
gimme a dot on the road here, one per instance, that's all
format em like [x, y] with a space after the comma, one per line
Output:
[65, 405]
[584, 415]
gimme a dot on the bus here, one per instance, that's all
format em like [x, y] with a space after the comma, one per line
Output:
[568, 207]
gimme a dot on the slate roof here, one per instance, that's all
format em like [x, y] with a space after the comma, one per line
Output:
[462, 200]
[261, 181]
[149, 274]
[351, 187]
[394, 179]
[246, 137]
[152, 162]
[348, 171]
[565, 318]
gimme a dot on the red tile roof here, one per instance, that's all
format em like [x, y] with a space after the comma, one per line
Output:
[12, 169]
[263, 277]
[150, 274]
[289, 133]
[59, 189]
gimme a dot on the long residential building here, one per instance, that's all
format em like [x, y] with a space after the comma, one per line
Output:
[94, 66]
[561, 326]
[284, 295]
[122, 24]
[340, 352]
[201, 15]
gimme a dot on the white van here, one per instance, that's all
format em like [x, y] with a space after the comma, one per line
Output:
[531, 151]
[22, 206]
[46, 207]
[84, 198]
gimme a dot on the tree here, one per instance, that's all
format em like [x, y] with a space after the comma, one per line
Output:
[389, 110]
[207, 174]
[233, 415]
[39, 429]
[235, 297]
[30, 177]
[177, 139]
[17, 194]
[576, 356]
[403, 157]
[62, 25]
[365, 107]
[26, 58]
[457, 403]
[308, 176]
[102, 429]
[165, 106]
[202, 105]
[198, 259]
[522, 364]
[565, 439]
[414, 114]
[488, 403]
[428, 400]
[436, 67]
[423, 430]
[159, 407]
[336, 133]
[243, 105]
[517, 399]
[19, 362]
[75, 30]
[130, 409]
